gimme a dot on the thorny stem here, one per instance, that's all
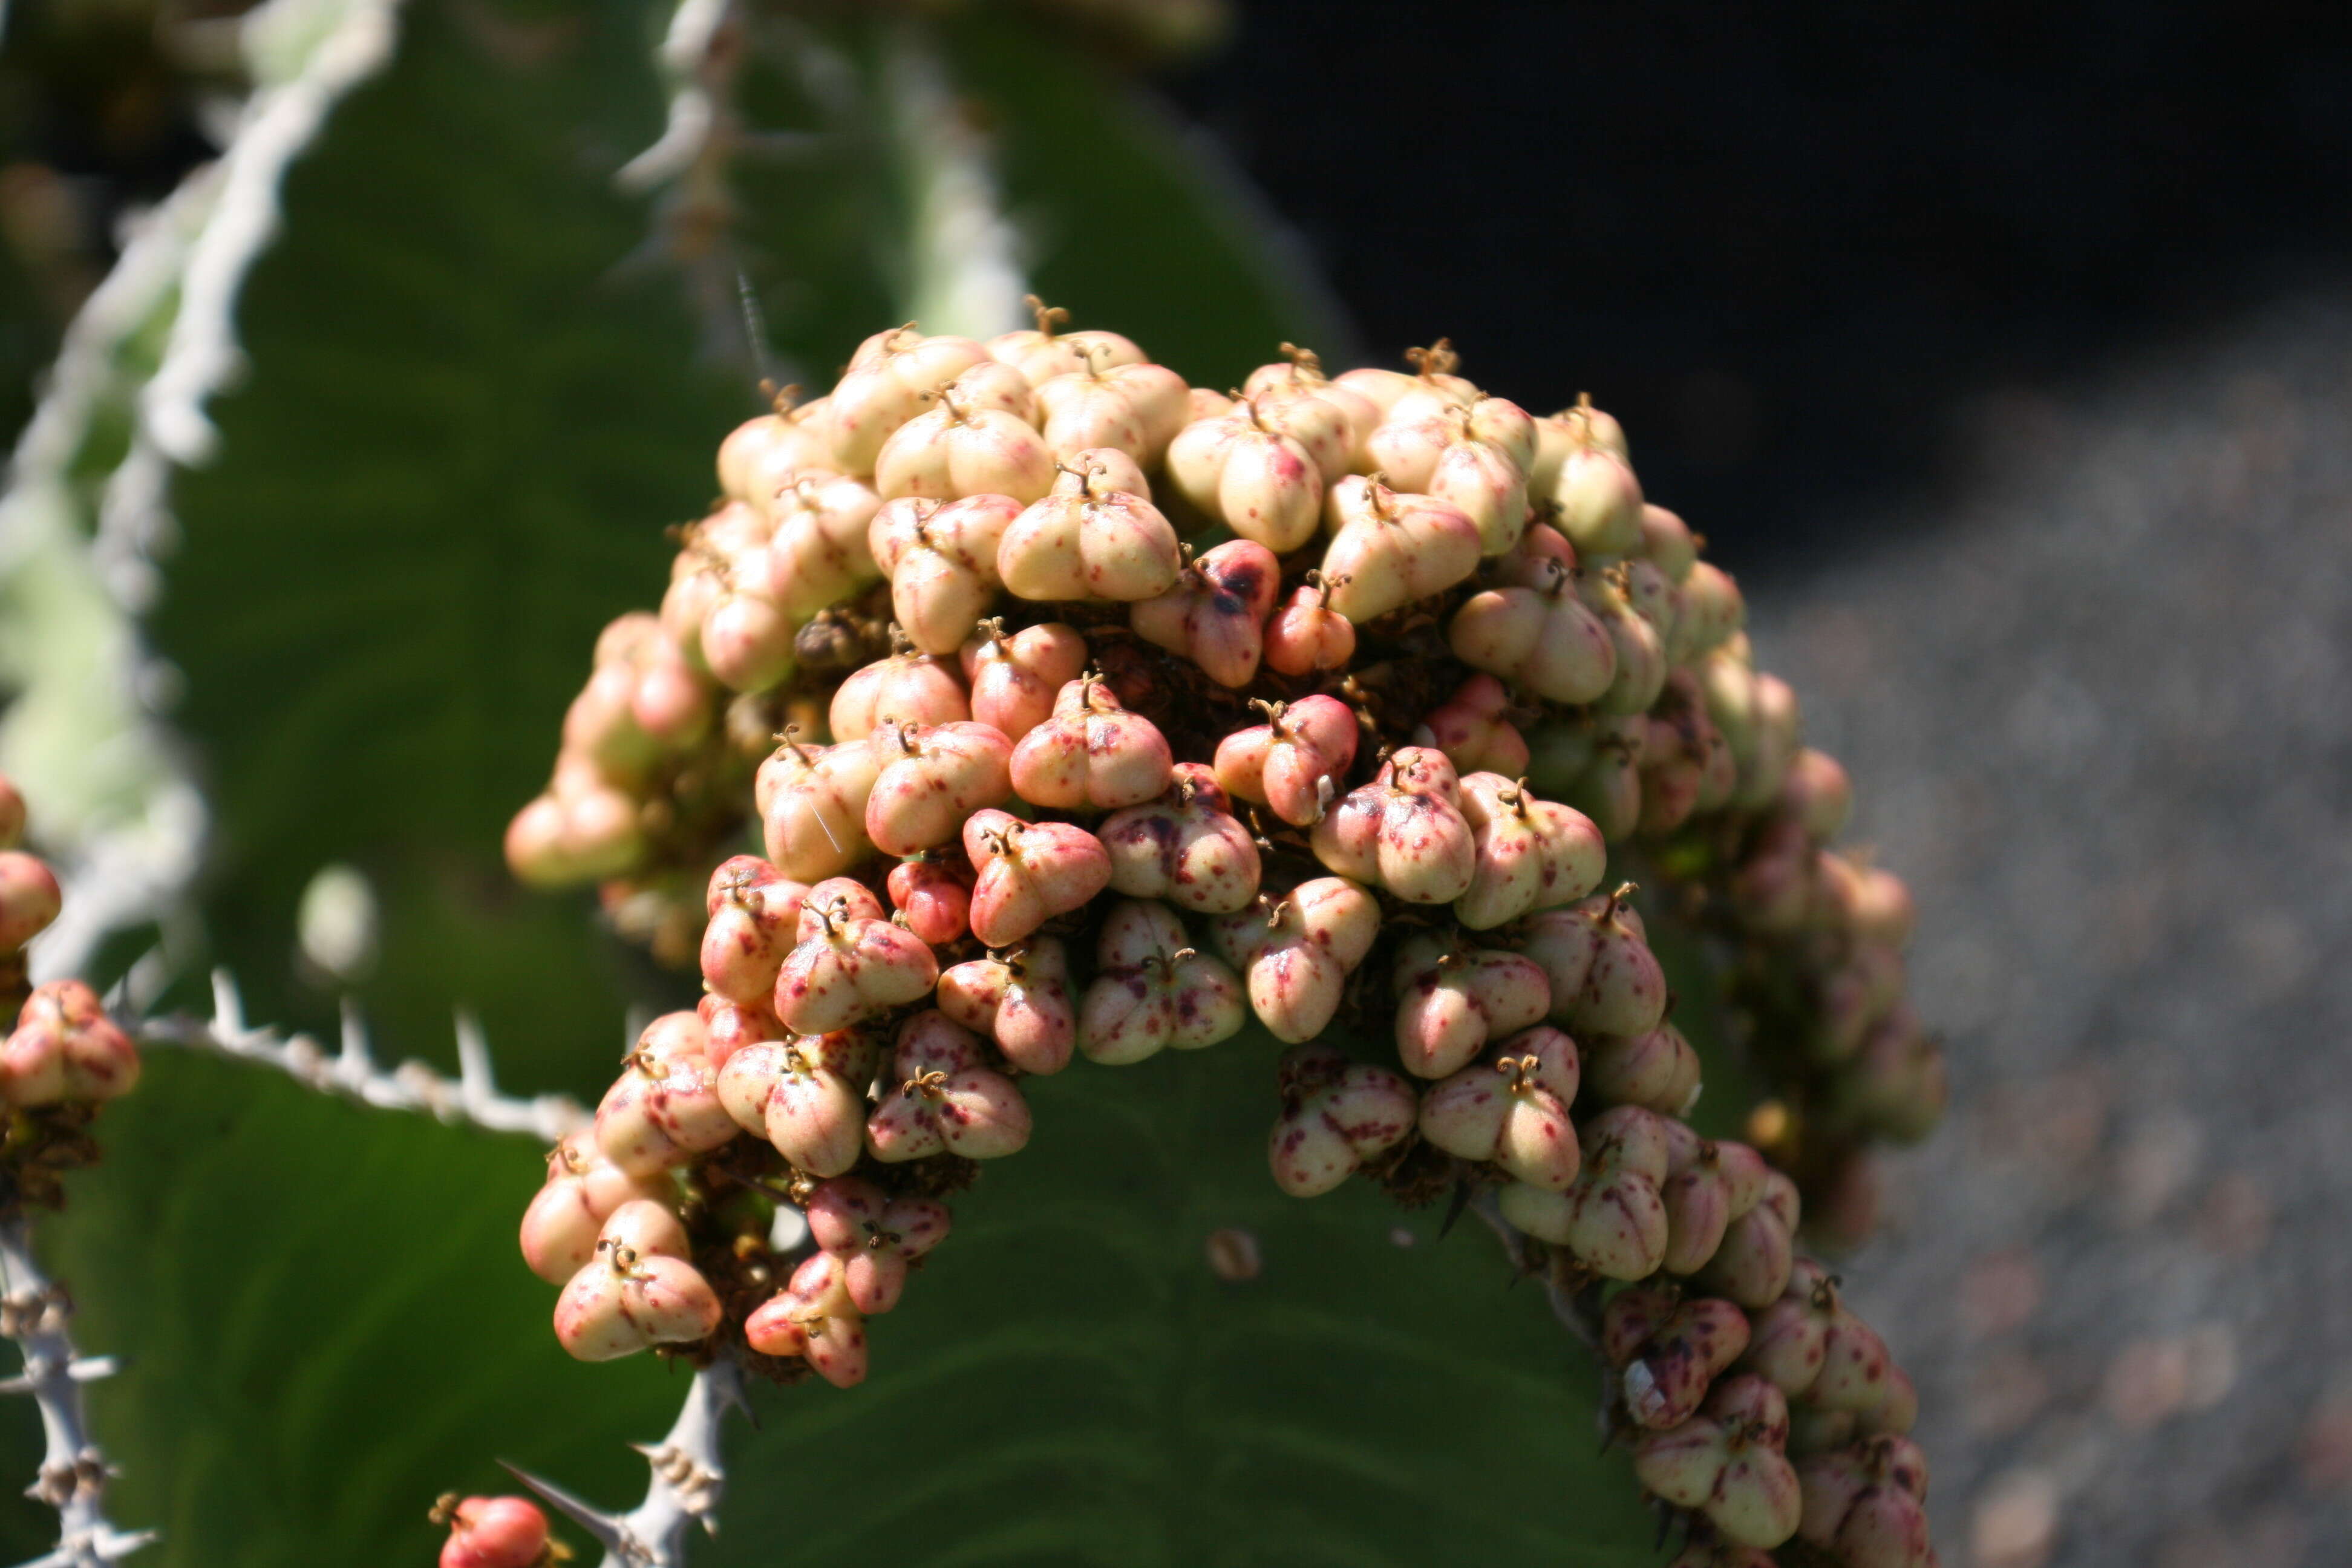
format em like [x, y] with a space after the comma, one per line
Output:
[35, 1312]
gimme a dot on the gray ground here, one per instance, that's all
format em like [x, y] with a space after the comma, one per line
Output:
[2098, 706]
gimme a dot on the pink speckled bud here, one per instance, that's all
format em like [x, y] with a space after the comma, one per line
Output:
[1528, 854]
[1867, 1503]
[1186, 847]
[1452, 1000]
[1295, 762]
[959, 448]
[620, 1302]
[1040, 353]
[1817, 793]
[818, 555]
[1306, 634]
[1135, 408]
[1092, 753]
[1336, 1114]
[1604, 980]
[849, 965]
[1697, 1193]
[892, 379]
[65, 1048]
[1016, 678]
[811, 802]
[932, 894]
[875, 1237]
[1300, 375]
[935, 776]
[1657, 1069]
[1152, 991]
[1215, 615]
[1640, 672]
[583, 1189]
[1611, 1216]
[1511, 1108]
[906, 687]
[1542, 637]
[754, 911]
[1087, 540]
[1727, 1463]
[1435, 379]
[1240, 469]
[1597, 500]
[1028, 873]
[1667, 542]
[762, 454]
[814, 1317]
[29, 899]
[1753, 1265]
[946, 1099]
[1390, 548]
[813, 1108]
[1669, 1354]
[1444, 456]
[940, 558]
[492, 1532]
[664, 1108]
[1021, 1000]
[1296, 952]
[1474, 729]
[1405, 831]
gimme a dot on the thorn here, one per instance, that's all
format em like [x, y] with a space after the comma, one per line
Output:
[610, 1529]
[228, 1008]
[476, 1085]
[354, 1065]
[1461, 1201]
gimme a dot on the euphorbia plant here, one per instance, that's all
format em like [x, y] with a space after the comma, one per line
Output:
[1357, 727]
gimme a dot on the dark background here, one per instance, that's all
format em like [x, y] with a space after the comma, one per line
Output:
[1780, 240]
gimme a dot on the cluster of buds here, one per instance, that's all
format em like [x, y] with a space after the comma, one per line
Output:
[1326, 704]
[63, 1057]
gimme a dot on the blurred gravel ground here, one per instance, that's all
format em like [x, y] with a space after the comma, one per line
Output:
[2098, 706]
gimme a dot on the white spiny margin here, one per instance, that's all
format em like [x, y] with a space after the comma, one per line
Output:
[689, 1483]
[35, 1313]
[691, 62]
[305, 57]
[472, 1097]
[965, 272]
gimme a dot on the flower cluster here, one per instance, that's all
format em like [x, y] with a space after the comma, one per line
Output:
[1124, 715]
[65, 1057]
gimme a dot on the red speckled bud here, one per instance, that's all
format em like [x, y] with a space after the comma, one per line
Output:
[1390, 548]
[964, 447]
[1091, 754]
[875, 1237]
[1028, 872]
[1473, 727]
[754, 913]
[1215, 613]
[1336, 1114]
[1611, 1216]
[1306, 634]
[934, 777]
[1527, 854]
[849, 965]
[492, 1532]
[1670, 1352]
[1154, 991]
[583, 1189]
[1021, 1000]
[1657, 1069]
[1867, 1503]
[66, 1047]
[1016, 678]
[910, 687]
[1604, 980]
[1293, 762]
[1241, 468]
[664, 1108]
[934, 896]
[1405, 831]
[1726, 1462]
[1185, 846]
[940, 558]
[814, 1317]
[946, 1099]
[1040, 353]
[1753, 1265]
[620, 1302]
[29, 899]
[1512, 1109]
[891, 380]
[1296, 952]
[1087, 540]
[811, 802]
[1452, 1000]
[1134, 409]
